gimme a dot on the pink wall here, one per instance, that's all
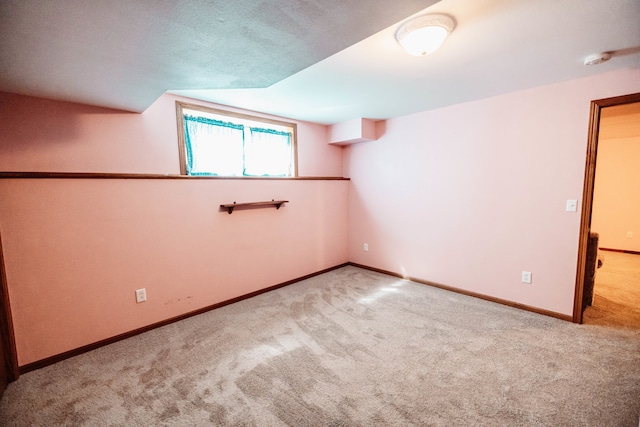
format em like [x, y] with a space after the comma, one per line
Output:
[467, 196]
[471, 195]
[41, 135]
[75, 250]
[616, 198]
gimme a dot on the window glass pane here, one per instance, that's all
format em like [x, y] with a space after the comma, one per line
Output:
[267, 152]
[219, 143]
[213, 147]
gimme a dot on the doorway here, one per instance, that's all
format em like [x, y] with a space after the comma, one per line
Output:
[588, 200]
[8, 356]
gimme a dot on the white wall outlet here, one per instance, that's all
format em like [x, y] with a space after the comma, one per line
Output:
[629, 234]
[366, 247]
[572, 205]
[141, 295]
[526, 277]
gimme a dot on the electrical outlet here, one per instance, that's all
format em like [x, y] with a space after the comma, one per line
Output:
[366, 247]
[141, 295]
[629, 234]
[526, 277]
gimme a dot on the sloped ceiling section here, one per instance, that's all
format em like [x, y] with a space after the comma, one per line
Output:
[125, 54]
[498, 46]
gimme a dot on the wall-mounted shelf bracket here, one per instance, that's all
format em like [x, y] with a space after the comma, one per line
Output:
[229, 207]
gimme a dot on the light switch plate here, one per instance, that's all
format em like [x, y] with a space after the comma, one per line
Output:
[572, 205]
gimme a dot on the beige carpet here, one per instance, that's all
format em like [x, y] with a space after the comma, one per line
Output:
[348, 348]
[616, 300]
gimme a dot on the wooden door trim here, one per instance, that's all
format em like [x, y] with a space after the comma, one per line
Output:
[587, 192]
[6, 325]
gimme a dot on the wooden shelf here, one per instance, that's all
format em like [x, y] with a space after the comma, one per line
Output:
[229, 207]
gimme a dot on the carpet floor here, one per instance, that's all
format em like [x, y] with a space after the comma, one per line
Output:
[348, 348]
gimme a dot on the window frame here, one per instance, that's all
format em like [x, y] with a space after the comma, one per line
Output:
[231, 115]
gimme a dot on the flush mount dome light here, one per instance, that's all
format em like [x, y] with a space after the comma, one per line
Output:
[424, 34]
[597, 58]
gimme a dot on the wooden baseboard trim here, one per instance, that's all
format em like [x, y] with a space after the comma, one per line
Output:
[620, 250]
[86, 348]
[378, 270]
[525, 307]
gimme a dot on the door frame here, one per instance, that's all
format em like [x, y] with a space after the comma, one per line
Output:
[6, 326]
[587, 192]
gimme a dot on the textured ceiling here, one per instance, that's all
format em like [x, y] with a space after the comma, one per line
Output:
[498, 46]
[318, 60]
[125, 54]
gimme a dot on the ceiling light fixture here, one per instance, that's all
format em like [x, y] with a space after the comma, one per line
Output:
[424, 34]
[597, 58]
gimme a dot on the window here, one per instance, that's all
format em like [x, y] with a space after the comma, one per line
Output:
[220, 143]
